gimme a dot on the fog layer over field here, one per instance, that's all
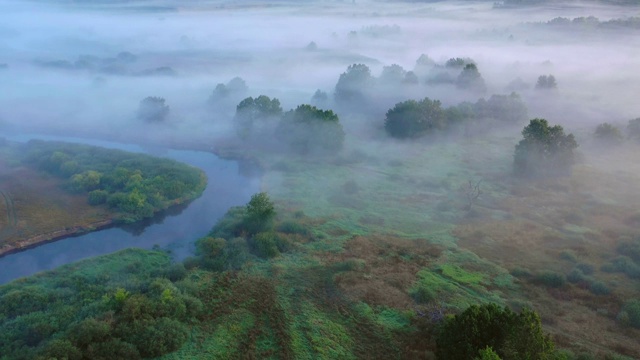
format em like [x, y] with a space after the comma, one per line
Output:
[86, 69]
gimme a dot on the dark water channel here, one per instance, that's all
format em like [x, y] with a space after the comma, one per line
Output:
[175, 229]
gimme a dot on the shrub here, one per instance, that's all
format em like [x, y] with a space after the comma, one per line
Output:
[576, 276]
[98, 197]
[520, 272]
[550, 279]
[568, 255]
[587, 269]
[622, 264]
[630, 249]
[266, 245]
[599, 288]
[630, 313]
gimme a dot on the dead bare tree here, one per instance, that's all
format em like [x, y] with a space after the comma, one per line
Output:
[473, 192]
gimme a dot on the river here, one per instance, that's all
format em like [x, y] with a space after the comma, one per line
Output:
[175, 230]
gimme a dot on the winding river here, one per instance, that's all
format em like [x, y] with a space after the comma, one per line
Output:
[174, 230]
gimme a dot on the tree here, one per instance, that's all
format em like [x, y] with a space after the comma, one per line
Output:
[633, 129]
[608, 134]
[544, 151]
[260, 213]
[308, 129]
[153, 109]
[412, 119]
[546, 82]
[249, 110]
[235, 88]
[392, 75]
[352, 85]
[507, 334]
[320, 98]
[507, 108]
[470, 79]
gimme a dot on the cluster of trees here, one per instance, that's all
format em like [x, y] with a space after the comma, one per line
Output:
[305, 129]
[594, 22]
[357, 87]
[412, 119]
[244, 232]
[235, 89]
[134, 185]
[130, 307]
[544, 151]
[546, 82]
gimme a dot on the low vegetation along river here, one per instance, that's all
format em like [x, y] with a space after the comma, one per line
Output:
[176, 229]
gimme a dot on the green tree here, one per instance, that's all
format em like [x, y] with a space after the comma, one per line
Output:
[510, 335]
[153, 109]
[633, 129]
[487, 354]
[411, 119]
[470, 79]
[546, 82]
[260, 213]
[249, 110]
[352, 84]
[507, 108]
[608, 134]
[544, 151]
[308, 129]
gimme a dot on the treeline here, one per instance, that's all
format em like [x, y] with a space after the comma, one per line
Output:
[412, 119]
[133, 185]
[583, 22]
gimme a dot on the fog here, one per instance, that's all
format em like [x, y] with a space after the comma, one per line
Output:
[63, 72]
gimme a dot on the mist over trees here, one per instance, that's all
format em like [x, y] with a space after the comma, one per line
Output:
[309, 130]
[544, 151]
[153, 109]
[251, 110]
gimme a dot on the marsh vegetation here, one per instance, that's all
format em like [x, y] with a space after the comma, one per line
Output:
[422, 167]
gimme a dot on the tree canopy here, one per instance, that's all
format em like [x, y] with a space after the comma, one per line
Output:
[544, 150]
[546, 82]
[508, 335]
[352, 84]
[153, 109]
[249, 110]
[308, 129]
[411, 119]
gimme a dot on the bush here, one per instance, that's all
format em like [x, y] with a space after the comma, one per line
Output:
[510, 335]
[98, 197]
[550, 279]
[630, 249]
[520, 272]
[576, 276]
[587, 269]
[599, 288]
[622, 264]
[266, 245]
[630, 314]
